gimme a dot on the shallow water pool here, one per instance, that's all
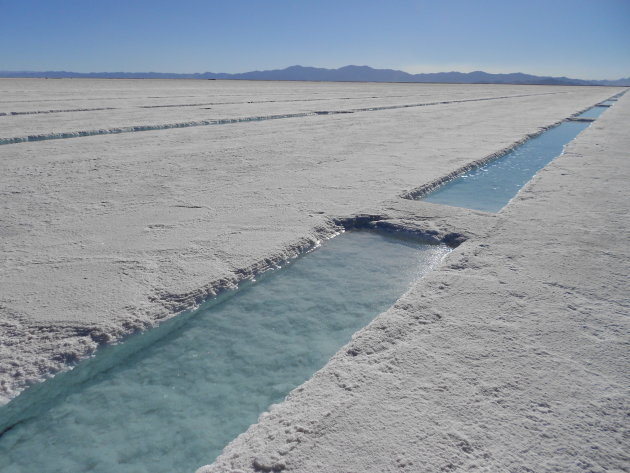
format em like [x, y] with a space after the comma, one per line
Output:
[594, 112]
[490, 187]
[169, 400]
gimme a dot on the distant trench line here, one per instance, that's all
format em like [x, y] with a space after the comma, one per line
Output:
[40, 112]
[225, 121]
[203, 104]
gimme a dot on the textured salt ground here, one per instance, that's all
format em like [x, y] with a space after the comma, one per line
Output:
[40, 124]
[105, 235]
[512, 356]
[197, 102]
[30, 95]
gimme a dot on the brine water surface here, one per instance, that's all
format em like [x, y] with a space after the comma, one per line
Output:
[170, 402]
[595, 112]
[491, 186]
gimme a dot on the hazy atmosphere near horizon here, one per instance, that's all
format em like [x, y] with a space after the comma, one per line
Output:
[575, 38]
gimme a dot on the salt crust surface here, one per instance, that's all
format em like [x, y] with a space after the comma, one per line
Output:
[108, 234]
[512, 356]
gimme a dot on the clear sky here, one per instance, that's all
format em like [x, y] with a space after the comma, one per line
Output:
[587, 39]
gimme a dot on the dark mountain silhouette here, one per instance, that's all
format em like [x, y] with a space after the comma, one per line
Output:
[343, 74]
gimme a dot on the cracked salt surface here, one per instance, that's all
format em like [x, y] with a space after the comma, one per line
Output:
[96, 244]
[171, 399]
[100, 218]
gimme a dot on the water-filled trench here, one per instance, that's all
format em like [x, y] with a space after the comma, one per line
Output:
[169, 400]
[595, 112]
[490, 187]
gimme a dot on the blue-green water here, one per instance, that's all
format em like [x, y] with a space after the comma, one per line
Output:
[169, 400]
[594, 112]
[490, 187]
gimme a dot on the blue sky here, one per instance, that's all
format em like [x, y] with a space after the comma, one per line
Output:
[587, 39]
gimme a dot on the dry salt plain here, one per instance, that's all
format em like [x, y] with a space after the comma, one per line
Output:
[510, 356]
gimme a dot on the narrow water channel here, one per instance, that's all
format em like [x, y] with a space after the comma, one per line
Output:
[169, 400]
[490, 187]
[594, 112]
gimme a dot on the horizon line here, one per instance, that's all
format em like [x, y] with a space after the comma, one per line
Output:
[62, 71]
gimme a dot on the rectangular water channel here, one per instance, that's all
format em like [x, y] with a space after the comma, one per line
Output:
[490, 187]
[595, 112]
[170, 399]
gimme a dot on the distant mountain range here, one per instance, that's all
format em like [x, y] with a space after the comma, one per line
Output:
[343, 74]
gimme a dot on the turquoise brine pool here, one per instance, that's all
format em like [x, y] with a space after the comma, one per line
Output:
[490, 187]
[169, 400]
[594, 112]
